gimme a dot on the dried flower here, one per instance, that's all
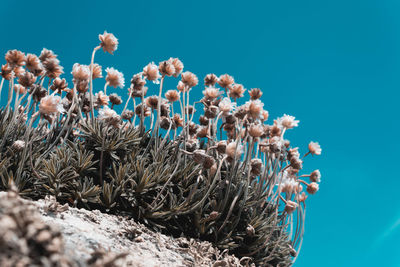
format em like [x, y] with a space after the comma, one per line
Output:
[209, 161]
[50, 104]
[172, 95]
[115, 99]
[256, 166]
[97, 71]
[312, 188]
[256, 130]
[59, 85]
[254, 108]
[152, 102]
[150, 72]
[290, 206]
[101, 99]
[199, 155]
[109, 115]
[178, 120]
[289, 185]
[226, 106]
[225, 81]
[138, 82]
[52, 67]
[181, 86]
[15, 58]
[18, 145]
[80, 72]
[146, 110]
[18, 88]
[34, 65]
[315, 176]
[127, 114]
[178, 65]
[314, 148]
[236, 91]
[27, 79]
[221, 146]
[108, 42]
[189, 79]
[211, 93]
[166, 68]
[203, 120]
[287, 122]
[115, 78]
[6, 72]
[255, 93]
[232, 149]
[210, 80]
[211, 112]
[265, 115]
[46, 54]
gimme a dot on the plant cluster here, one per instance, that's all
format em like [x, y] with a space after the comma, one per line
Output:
[220, 173]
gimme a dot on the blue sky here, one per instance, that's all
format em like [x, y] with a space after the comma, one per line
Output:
[333, 64]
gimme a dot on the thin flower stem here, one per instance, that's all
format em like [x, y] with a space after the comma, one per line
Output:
[91, 81]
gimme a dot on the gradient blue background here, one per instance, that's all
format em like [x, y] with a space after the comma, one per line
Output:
[333, 64]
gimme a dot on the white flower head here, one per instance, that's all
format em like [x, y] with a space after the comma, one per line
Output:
[151, 73]
[226, 105]
[287, 121]
[314, 148]
[107, 113]
[51, 104]
[115, 78]
[80, 72]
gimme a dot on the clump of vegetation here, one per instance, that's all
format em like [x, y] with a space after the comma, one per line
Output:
[221, 174]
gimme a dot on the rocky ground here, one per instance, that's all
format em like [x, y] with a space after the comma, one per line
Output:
[45, 233]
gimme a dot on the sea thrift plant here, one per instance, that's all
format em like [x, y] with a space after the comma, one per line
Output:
[216, 168]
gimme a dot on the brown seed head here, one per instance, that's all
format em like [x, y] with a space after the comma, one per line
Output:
[178, 120]
[208, 162]
[146, 110]
[152, 102]
[210, 80]
[127, 114]
[27, 79]
[255, 93]
[315, 176]
[256, 167]
[6, 72]
[115, 99]
[137, 81]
